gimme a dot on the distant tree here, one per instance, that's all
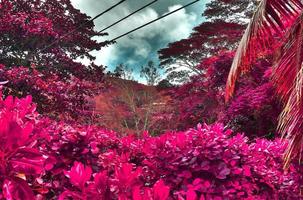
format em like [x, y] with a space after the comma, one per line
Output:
[164, 84]
[221, 32]
[124, 72]
[151, 73]
[231, 11]
[180, 58]
[130, 107]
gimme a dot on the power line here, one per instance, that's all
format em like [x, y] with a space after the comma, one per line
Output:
[170, 13]
[81, 25]
[116, 38]
[110, 8]
[117, 22]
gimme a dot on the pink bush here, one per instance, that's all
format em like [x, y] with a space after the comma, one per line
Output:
[55, 97]
[255, 111]
[45, 159]
[201, 100]
[20, 161]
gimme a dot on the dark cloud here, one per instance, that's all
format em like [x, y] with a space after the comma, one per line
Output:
[136, 49]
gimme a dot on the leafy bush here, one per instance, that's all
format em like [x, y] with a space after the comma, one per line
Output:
[20, 161]
[255, 111]
[56, 97]
[44, 159]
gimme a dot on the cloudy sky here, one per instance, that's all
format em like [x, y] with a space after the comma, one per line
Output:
[139, 47]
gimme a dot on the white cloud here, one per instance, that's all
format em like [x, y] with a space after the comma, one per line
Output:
[171, 28]
[141, 42]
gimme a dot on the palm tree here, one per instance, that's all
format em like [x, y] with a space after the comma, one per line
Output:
[277, 24]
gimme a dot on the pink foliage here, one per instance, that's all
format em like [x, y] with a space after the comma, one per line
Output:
[79, 174]
[36, 62]
[254, 110]
[47, 159]
[20, 160]
[55, 96]
[201, 99]
[58, 155]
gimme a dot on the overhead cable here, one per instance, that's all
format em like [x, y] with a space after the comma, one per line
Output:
[155, 20]
[81, 25]
[117, 22]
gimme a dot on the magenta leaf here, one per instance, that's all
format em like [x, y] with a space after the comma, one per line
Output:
[17, 189]
[73, 195]
[28, 161]
[79, 174]
[191, 195]
[161, 191]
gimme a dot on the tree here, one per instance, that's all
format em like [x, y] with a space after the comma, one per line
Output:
[276, 25]
[34, 40]
[181, 58]
[151, 73]
[221, 32]
[208, 54]
[130, 107]
[237, 11]
[124, 72]
[201, 100]
[164, 84]
[33, 33]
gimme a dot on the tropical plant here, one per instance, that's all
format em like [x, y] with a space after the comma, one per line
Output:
[276, 24]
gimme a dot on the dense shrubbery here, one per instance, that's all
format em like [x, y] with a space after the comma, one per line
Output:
[202, 98]
[56, 97]
[254, 110]
[52, 151]
[45, 159]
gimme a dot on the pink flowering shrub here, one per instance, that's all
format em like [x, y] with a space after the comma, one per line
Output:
[206, 162]
[254, 111]
[44, 159]
[21, 162]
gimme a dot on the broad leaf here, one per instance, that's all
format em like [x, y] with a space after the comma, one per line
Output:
[17, 189]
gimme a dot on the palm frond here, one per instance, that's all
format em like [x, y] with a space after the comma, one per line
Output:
[291, 121]
[288, 78]
[288, 61]
[270, 21]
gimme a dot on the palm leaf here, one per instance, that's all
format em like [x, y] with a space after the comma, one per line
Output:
[288, 79]
[270, 21]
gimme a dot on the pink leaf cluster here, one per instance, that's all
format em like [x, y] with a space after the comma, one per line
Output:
[20, 161]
